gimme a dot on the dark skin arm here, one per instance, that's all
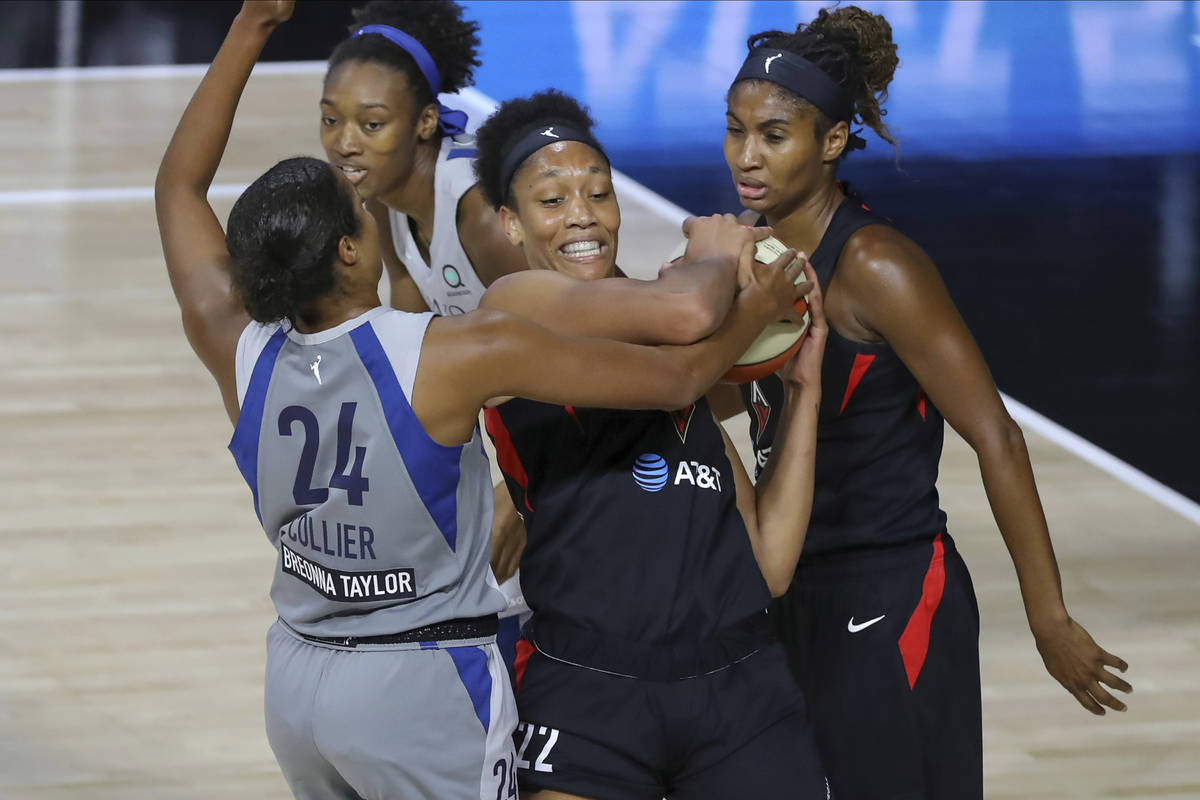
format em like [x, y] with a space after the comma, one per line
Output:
[777, 509]
[685, 304]
[193, 241]
[886, 288]
[468, 360]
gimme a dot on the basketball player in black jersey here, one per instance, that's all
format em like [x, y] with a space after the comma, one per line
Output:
[649, 668]
[881, 623]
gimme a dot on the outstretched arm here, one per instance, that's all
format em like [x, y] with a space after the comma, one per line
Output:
[897, 292]
[192, 238]
[467, 360]
[685, 304]
[777, 510]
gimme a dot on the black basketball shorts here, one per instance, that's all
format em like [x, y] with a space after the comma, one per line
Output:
[741, 732]
[885, 646]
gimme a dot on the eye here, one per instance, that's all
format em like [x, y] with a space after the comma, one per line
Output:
[775, 138]
[328, 122]
[373, 126]
[601, 195]
[550, 202]
[733, 130]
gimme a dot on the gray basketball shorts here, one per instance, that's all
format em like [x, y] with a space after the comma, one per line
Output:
[422, 720]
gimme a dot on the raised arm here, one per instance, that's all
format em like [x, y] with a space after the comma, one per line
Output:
[898, 293]
[468, 360]
[777, 510]
[192, 238]
[682, 306]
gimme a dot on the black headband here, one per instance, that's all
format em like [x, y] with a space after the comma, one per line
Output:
[801, 77]
[530, 139]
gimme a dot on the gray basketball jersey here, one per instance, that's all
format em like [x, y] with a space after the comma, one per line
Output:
[379, 529]
[447, 281]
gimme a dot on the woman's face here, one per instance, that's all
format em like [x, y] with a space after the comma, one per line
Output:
[770, 147]
[566, 216]
[371, 126]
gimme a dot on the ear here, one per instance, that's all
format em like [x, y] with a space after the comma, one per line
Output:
[511, 226]
[347, 251]
[835, 142]
[427, 122]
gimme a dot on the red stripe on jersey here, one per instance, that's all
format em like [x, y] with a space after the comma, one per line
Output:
[862, 362]
[921, 402]
[571, 410]
[506, 453]
[524, 651]
[914, 642]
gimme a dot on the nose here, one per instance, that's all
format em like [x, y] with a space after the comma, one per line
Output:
[579, 212]
[749, 156]
[346, 141]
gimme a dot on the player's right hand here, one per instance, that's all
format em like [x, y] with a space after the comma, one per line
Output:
[268, 13]
[720, 236]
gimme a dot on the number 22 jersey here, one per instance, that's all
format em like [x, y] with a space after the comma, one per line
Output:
[379, 529]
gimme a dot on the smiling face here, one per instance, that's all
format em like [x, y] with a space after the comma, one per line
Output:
[565, 213]
[371, 126]
[773, 154]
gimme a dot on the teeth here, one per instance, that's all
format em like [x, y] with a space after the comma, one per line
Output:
[581, 249]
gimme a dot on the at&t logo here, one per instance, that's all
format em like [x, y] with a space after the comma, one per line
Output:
[651, 473]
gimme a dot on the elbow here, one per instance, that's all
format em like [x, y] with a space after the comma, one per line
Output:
[693, 318]
[778, 581]
[1004, 439]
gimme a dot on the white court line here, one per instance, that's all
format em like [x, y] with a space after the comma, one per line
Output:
[663, 208]
[151, 71]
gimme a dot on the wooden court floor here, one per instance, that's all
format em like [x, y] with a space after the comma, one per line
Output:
[133, 599]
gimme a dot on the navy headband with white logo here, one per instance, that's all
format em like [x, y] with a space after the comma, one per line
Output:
[801, 77]
[451, 121]
[529, 140]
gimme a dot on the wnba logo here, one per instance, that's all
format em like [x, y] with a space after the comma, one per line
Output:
[650, 472]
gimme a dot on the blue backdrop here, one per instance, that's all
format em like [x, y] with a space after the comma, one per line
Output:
[976, 80]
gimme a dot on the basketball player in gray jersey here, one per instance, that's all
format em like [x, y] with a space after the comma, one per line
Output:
[355, 428]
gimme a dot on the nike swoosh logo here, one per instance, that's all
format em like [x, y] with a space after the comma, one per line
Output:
[850, 626]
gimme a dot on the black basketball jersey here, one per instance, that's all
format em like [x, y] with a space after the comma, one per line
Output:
[632, 530]
[879, 439]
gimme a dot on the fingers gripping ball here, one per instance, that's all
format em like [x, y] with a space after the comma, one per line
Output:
[779, 341]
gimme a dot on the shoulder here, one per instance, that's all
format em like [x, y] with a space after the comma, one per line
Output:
[879, 258]
[456, 166]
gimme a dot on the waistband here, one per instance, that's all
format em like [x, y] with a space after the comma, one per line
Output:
[449, 630]
[562, 641]
[832, 566]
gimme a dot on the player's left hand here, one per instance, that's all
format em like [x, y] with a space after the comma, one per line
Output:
[508, 536]
[804, 368]
[268, 13]
[1080, 665]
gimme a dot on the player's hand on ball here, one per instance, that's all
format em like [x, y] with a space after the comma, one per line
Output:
[804, 368]
[1080, 665]
[719, 236]
[267, 13]
[772, 285]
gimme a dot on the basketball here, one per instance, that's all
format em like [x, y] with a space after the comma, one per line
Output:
[779, 341]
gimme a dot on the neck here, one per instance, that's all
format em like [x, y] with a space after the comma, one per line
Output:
[414, 197]
[803, 226]
[333, 311]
